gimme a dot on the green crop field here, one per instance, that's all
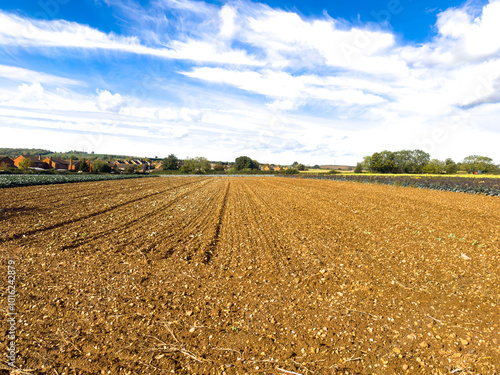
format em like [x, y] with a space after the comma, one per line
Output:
[7, 181]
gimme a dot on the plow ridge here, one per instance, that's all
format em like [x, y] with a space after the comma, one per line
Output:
[142, 220]
[87, 216]
[212, 247]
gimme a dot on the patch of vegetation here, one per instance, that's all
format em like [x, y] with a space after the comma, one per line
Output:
[7, 181]
[472, 185]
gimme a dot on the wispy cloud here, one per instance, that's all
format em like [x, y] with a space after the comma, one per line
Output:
[16, 74]
[283, 85]
[19, 31]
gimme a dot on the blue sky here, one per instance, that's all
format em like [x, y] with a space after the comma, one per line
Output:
[306, 81]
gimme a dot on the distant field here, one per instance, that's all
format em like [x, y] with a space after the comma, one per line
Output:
[316, 171]
[473, 184]
[424, 175]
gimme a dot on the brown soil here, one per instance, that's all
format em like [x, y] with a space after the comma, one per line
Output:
[251, 275]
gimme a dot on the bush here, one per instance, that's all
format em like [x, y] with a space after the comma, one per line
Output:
[100, 166]
[131, 169]
[84, 166]
[170, 163]
[25, 163]
[359, 168]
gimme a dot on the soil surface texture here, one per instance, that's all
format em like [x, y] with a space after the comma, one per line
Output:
[249, 275]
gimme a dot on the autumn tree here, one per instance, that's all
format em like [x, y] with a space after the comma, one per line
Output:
[25, 163]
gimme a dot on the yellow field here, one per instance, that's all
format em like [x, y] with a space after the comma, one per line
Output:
[316, 171]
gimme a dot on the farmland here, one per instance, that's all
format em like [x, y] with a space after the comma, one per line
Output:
[472, 184]
[8, 181]
[252, 275]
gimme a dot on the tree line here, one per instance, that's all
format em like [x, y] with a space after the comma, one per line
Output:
[418, 161]
[201, 165]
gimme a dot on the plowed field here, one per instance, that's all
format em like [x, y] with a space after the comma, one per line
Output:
[251, 275]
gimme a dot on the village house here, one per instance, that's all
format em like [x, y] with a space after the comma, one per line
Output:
[145, 166]
[6, 162]
[57, 163]
[122, 166]
[39, 162]
[36, 161]
[74, 165]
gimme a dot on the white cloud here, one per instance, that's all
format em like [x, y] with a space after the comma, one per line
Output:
[18, 31]
[282, 105]
[227, 15]
[14, 73]
[286, 37]
[109, 102]
[477, 37]
[463, 38]
[31, 92]
[197, 7]
[25, 32]
[283, 85]
[212, 52]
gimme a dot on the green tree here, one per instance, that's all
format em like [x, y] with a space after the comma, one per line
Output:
[383, 162]
[367, 163]
[25, 163]
[202, 165]
[218, 167]
[476, 163]
[4, 166]
[195, 165]
[450, 166]
[244, 162]
[187, 166]
[300, 167]
[434, 166]
[132, 168]
[403, 161]
[419, 159]
[170, 163]
[359, 168]
[100, 166]
[84, 166]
